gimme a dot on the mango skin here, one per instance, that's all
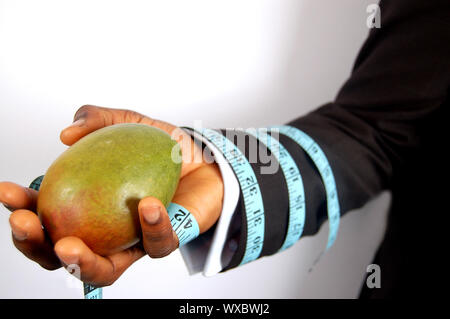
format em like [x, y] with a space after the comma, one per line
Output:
[93, 189]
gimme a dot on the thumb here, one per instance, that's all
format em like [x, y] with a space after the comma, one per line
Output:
[158, 237]
[87, 119]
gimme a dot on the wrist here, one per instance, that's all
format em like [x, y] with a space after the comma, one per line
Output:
[191, 152]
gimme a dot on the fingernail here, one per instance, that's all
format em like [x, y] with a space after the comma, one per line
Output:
[19, 234]
[69, 259]
[151, 214]
[79, 122]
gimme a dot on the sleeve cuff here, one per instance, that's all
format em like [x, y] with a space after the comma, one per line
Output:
[204, 254]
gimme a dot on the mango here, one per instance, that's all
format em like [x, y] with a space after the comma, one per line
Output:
[92, 190]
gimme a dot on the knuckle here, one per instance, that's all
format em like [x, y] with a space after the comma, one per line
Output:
[162, 234]
[160, 244]
[131, 116]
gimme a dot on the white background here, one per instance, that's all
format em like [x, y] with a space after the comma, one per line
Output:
[228, 63]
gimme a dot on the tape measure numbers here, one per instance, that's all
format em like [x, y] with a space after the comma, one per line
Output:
[90, 292]
[295, 187]
[253, 203]
[320, 160]
[183, 223]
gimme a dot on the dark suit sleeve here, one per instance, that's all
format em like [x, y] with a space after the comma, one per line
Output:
[381, 116]
[383, 113]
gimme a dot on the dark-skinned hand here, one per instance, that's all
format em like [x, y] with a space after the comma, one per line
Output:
[200, 190]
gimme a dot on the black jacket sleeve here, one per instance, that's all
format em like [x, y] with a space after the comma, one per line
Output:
[383, 115]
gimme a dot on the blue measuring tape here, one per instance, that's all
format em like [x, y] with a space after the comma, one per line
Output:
[183, 223]
[295, 187]
[91, 292]
[320, 160]
[251, 191]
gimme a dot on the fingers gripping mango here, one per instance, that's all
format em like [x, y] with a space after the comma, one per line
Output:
[93, 189]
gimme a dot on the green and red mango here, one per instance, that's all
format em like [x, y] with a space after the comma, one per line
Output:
[92, 190]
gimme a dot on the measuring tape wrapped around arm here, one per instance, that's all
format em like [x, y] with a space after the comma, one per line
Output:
[297, 206]
[321, 162]
[252, 198]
